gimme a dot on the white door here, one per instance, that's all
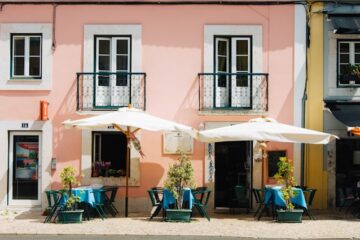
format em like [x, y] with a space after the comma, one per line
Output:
[24, 169]
[222, 66]
[241, 94]
[113, 56]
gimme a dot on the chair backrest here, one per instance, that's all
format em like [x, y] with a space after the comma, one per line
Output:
[311, 196]
[99, 195]
[199, 193]
[207, 196]
[258, 195]
[204, 196]
[112, 190]
[157, 192]
[48, 197]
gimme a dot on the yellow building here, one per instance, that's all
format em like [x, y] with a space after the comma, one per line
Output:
[333, 100]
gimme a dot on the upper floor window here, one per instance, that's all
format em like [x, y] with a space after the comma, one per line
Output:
[232, 67]
[113, 56]
[348, 71]
[26, 55]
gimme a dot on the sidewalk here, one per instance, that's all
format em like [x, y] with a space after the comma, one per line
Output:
[328, 225]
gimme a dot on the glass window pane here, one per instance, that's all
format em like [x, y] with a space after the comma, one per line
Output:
[104, 63]
[222, 66]
[122, 63]
[222, 81]
[242, 47]
[222, 48]
[104, 46]
[357, 47]
[19, 66]
[121, 79]
[19, 46]
[344, 58]
[35, 46]
[357, 58]
[344, 47]
[104, 81]
[122, 46]
[34, 66]
[242, 63]
[344, 69]
[242, 81]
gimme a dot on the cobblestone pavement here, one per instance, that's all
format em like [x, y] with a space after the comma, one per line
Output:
[329, 225]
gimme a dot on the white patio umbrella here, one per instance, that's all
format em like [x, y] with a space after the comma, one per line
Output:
[129, 120]
[264, 130]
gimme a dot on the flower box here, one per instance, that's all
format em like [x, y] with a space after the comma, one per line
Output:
[72, 216]
[286, 216]
[178, 215]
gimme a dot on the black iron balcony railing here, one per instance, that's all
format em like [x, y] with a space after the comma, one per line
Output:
[109, 91]
[233, 91]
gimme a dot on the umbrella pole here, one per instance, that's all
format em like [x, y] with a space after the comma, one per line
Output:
[127, 173]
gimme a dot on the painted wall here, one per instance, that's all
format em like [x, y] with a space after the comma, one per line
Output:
[315, 174]
[172, 55]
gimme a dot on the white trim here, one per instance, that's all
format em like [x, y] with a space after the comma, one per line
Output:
[299, 78]
[45, 83]
[15, 202]
[86, 163]
[91, 30]
[233, 30]
[45, 172]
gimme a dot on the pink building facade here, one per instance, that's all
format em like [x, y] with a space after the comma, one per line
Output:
[201, 65]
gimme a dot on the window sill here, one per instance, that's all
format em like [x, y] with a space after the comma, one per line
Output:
[219, 112]
[25, 80]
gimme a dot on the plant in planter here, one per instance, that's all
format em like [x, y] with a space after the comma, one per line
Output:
[350, 74]
[69, 212]
[180, 176]
[285, 176]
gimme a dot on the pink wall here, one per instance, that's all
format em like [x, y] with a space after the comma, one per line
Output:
[172, 55]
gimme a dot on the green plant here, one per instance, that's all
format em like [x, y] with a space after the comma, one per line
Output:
[68, 180]
[285, 176]
[351, 70]
[179, 176]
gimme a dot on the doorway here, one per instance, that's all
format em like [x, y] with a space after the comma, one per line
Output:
[233, 164]
[347, 167]
[24, 168]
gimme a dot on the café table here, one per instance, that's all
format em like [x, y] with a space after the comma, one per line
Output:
[273, 196]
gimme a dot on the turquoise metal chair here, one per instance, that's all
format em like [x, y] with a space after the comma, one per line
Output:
[202, 203]
[54, 198]
[99, 195]
[156, 201]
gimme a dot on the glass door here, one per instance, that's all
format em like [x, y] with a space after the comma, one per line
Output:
[24, 165]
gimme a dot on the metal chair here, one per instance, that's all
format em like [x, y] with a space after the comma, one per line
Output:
[54, 204]
[202, 203]
[99, 195]
[310, 199]
[156, 201]
[110, 199]
[240, 199]
[259, 199]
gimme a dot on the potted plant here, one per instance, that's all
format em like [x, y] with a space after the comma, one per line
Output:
[285, 176]
[350, 74]
[69, 212]
[180, 175]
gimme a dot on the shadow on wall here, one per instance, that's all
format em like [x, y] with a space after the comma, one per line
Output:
[151, 174]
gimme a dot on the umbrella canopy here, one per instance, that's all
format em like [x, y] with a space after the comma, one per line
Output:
[264, 131]
[129, 117]
[129, 120]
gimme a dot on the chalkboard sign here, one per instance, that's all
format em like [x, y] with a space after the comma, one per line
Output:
[273, 158]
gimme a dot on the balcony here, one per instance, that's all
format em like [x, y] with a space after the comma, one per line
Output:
[240, 92]
[109, 91]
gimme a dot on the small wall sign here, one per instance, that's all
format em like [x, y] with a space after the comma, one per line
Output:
[24, 125]
[176, 142]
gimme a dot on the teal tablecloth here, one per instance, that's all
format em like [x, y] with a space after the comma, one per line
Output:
[169, 199]
[86, 195]
[275, 196]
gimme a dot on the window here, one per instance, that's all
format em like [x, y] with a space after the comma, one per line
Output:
[273, 159]
[26, 56]
[113, 56]
[232, 67]
[109, 154]
[348, 62]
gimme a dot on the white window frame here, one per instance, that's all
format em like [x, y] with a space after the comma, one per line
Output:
[42, 83]
[26, 56]
[351, 58]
